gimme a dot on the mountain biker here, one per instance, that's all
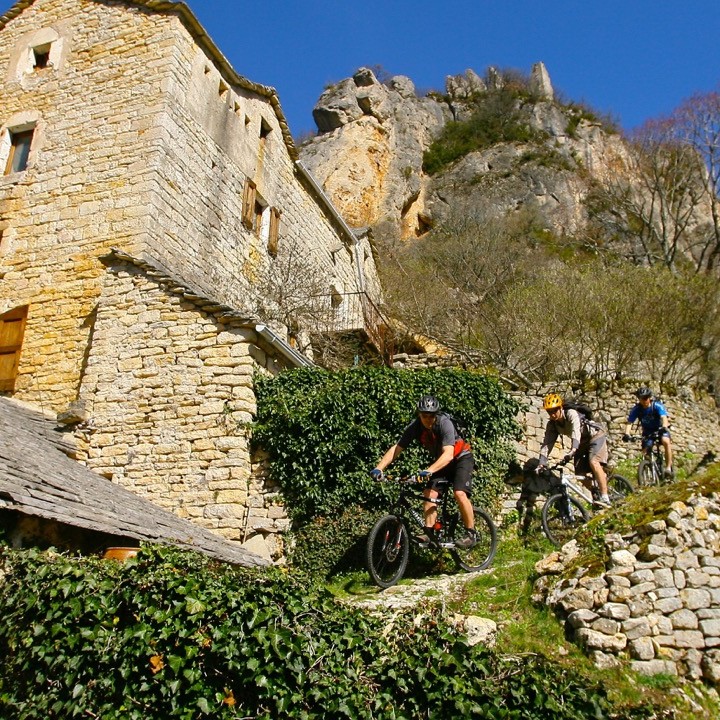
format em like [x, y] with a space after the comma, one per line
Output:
[653, 417]
[588, 443]
[453, 459]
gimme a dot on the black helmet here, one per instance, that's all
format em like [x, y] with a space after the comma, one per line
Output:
[643, 392]
[428, 404]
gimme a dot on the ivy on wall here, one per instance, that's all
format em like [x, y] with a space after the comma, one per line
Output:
[325, 430]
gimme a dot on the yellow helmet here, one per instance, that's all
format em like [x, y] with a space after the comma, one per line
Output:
[552, 401]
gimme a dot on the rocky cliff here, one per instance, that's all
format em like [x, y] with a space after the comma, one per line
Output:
[368, 154]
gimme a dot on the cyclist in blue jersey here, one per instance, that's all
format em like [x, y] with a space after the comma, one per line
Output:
[653, 417]
[452, 459]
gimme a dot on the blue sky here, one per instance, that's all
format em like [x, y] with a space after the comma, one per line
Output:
[632, 59]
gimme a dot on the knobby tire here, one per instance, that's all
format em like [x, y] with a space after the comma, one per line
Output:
[480, 555]
[619, 488]
[561, 522]
[388, 550]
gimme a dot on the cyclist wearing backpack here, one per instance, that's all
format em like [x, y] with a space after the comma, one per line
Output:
[453, 459]
[588, 443]
[653, 417]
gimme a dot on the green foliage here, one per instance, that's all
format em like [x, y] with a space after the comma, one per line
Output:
[497, 118]
[327, 546]
[325, 430]
[171, 634]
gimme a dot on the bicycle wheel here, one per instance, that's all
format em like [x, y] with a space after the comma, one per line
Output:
[480, 555]
[647, 473]
[562, 515]
[388, 549]
[618, 488]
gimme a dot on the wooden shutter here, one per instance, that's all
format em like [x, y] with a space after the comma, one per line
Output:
[12, 330]
[274, 234]
[248, 204]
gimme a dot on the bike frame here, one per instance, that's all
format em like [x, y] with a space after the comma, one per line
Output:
[412, 517]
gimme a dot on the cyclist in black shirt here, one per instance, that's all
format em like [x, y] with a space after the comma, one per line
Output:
[453, 459]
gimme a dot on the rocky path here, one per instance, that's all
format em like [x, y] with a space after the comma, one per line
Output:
[439, 588]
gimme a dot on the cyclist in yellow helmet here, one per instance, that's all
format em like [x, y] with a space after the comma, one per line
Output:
[588, 442]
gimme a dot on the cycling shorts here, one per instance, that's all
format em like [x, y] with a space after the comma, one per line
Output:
[459, 472]
[595, 449]
[647, 440]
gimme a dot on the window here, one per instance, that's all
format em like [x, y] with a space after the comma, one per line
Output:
[261, 219]
[19, 151]
[248, 204]
[41, 56]
[12, 329]
[264, 133]
[274, 232]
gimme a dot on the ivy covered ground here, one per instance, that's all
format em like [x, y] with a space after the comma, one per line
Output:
[172, 634]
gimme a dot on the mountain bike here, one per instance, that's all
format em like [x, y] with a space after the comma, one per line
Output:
[651, 470]
[389, 540]
[573, 505]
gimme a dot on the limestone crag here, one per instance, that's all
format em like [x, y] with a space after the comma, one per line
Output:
[368, 156]
[372, 136]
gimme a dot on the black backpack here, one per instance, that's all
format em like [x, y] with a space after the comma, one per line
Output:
[460, 427]
[584, 410]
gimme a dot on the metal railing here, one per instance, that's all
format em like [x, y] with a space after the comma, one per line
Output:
[348, 312]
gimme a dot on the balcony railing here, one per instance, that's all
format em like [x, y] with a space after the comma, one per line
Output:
[347, 312]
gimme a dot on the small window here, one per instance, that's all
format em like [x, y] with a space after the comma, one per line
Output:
[12, 330]
[41, 56]
[223, 90]
[265, 130]
[261, 219]
[274, 232]
[19, 151]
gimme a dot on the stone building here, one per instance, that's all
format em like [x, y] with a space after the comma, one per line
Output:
[147, 191]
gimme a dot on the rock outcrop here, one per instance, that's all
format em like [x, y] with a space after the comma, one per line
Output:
[657, 603]
[368, 157]
[368, 154]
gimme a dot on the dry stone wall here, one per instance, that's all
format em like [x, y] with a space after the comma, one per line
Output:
[694, 421]
[657, 602]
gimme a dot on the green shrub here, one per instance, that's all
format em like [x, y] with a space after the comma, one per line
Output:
[172, 634]
[327, 546]
[325, 430]
[497, 118]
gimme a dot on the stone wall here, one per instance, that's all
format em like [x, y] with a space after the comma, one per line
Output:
[165, 398]
[694, 421]
[144, 139]
[657, 603]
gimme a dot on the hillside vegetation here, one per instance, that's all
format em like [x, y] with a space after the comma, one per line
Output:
[528, 234]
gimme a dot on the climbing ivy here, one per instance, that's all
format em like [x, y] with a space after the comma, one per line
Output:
[172, 634]
[325, 430]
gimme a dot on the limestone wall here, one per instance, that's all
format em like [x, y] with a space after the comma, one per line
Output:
[144, 139]
[167, 391]
[694, 421]
[657, 603]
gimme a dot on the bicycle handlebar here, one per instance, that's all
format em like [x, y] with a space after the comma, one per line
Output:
[413, 479]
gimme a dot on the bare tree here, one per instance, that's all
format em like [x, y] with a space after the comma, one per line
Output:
[697, 123]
